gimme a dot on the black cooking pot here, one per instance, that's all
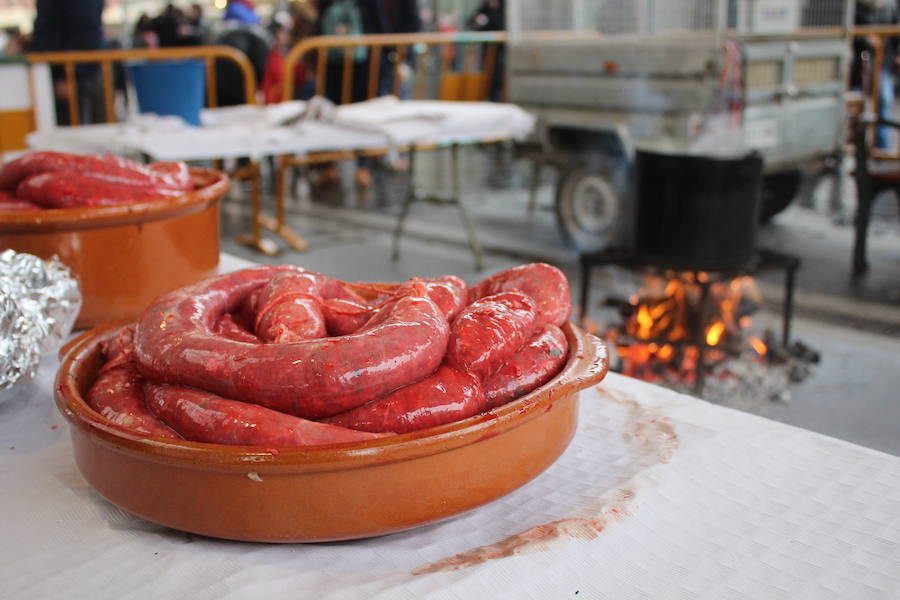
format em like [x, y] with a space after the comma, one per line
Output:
[696, 212]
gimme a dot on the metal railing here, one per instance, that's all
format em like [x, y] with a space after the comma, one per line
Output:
[470, 80]
[106, 58]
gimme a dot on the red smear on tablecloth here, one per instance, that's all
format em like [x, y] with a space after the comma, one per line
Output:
[536, 539]
[644, 427]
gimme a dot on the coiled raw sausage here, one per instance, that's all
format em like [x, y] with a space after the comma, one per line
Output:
[174, 343]
[245, 358]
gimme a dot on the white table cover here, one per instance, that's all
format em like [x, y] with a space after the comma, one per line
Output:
[659, 496]
[256, 132]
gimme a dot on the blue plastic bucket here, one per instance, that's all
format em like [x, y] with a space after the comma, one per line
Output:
[170, 88]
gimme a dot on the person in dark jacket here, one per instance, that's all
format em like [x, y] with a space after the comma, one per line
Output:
[489, 16]
[173, 29]
[66, 25]
[394, 16]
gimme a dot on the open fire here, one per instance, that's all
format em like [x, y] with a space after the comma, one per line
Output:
[693, 331]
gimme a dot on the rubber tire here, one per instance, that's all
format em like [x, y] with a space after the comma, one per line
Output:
[590, 211]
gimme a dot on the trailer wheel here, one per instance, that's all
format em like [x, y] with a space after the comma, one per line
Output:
[589, 208]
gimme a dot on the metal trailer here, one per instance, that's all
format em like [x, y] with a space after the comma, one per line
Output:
[704, 76]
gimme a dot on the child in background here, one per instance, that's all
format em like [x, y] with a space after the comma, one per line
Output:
[273, 78]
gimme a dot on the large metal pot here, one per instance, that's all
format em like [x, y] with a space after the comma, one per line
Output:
[696, 212]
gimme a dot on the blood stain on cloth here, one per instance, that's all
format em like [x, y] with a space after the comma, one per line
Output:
[654, 437]
[645, 426]
[537, 538]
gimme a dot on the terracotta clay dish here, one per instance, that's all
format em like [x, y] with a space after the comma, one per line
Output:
[326, 492]
[124, 256]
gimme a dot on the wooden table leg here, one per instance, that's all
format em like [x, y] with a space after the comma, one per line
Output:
[294, 239]
[255, 239]
[279, 225]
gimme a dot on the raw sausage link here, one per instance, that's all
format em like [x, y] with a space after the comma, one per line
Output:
[118, 396]
[230, 326]
[546, 285]
[111, 168]
[174, 343]
[529, 368]
[289, 309]
[204, 417]
[446, 396]
[67, 189]
[343, 317]
[489, 331]
[448, 293]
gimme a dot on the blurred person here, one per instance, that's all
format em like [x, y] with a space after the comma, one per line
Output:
[345, 17]
[243, 11]
[254, 41]
[446, 23]
[273, 78]
[305, 19]
[173, 29]
[394, 16]
[197, 22]
[166, 25]
[15, 42]
[489, 16]
[144, 36]
[66, 25]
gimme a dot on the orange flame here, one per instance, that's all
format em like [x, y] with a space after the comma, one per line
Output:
[655, 342]
[714, 333]
[759, 346]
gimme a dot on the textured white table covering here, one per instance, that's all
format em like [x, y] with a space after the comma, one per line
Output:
[244, 131]
[659, 496]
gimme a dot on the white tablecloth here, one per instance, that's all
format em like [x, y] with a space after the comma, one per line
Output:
[255, 131]
[659, 496]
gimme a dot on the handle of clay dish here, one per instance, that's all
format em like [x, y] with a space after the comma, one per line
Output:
[593, 364]
[106, 329]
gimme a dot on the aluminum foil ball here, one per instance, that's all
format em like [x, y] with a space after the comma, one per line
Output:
[19, 350]
[39, 301]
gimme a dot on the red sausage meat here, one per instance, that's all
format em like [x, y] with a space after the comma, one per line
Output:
[446, 396]
[204, 417]
[174, 343]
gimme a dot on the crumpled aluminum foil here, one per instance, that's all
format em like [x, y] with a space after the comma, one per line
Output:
[39, 301]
